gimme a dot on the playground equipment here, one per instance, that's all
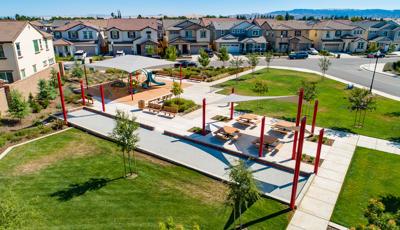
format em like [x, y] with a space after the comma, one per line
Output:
[149, 79]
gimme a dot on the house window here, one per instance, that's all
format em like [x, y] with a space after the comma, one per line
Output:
[203, 34]
[148, 33]
[73, 35]
[222, 32]
[255, 33]
[46, 44]
[360, 45]
[34, 68]
[338, 33]
[36, 46]
[85, 35]
[23, 74]
[6, 76]
[18, 47]
[115, 34]
[40, 44]
[328, 34]
[284, 33]
[188, 33]
[51, 61]
[2, 52]
[297, 33]
[90, 34]
[131, 34]
[385, 33]
[44, 63]
[57, 35]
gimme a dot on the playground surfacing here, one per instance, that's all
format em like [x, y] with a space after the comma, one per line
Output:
[122, 94]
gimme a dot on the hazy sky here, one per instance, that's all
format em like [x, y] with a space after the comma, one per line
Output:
[178, 7]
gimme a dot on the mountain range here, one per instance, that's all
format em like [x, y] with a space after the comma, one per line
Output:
[373, 13]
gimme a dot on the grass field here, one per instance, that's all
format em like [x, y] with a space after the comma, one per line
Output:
[73, 181]
[372, 174]
[384, 122]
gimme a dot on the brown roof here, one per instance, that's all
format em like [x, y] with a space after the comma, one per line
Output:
[132, 23]
[97, 24]
[62, 42]
[208, 21]
[305, 25]
[332, 25]
[11, 29]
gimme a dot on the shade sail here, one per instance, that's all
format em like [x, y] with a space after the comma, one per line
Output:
[131, 63]
[239, 98]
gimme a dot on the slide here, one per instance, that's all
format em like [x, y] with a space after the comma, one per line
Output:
[150, 79]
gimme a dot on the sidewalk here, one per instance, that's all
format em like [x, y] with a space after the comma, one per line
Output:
[379, 69]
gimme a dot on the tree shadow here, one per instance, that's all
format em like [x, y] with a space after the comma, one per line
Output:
[395, 141]
[234, 214]
[75, 190]
[391, 202]
[244, 110]
[290, 119]
[9, 122]
[393, 114]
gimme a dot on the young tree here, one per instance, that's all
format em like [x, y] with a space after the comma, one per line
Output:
[253, 61]
[223, 55]
[268, 59]
[237, 62]
[45, 94]
[361, 101]
[176, 89]
[126, 137]
[372, 47]
[260, 87]
[77, 71]
[18, 107]
[324, 64]
[243, 189]
[392, 48]
[379, 217]
[310, 94]
[170, 53]
[53, 78]
[149, 50]
[203, 59]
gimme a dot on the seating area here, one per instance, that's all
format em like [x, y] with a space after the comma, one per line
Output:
[156, 106]
[248, 120]
[284, 127]
[227, 133]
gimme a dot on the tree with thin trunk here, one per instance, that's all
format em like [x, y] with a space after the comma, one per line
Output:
[268, 59]
[243, 189]
[176, 89]
[310, 94]
[260, 87]
[361, 101]
[237, 62]
[171, 53]
[203, 58]
[18, 107]
[324, 64]
[126, 137]
[223, 55]
[253, 61]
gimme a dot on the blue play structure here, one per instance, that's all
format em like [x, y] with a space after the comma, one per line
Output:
[150, 80]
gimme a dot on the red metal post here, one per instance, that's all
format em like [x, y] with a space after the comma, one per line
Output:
[130, 85]
[232, 105]
[297, 165]
[260, 150]
[318, 157]
[83, 93]
[62, 97]
[296, 133]
[204, 117]
[102, 98]
[314, 117]
[180, 75]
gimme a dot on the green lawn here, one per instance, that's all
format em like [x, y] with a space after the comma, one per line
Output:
[72, 181]
[384, 122]
[372, 174]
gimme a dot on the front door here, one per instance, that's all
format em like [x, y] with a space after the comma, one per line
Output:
[138, 49]
[185, 49]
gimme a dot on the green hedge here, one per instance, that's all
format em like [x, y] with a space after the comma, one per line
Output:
[182, 104]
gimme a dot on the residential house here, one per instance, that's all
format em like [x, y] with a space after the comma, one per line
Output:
[237, 36]
[286, 36]
[337, 36]
[133, 36]
[49, 26]
[86, 35]
[188, 36]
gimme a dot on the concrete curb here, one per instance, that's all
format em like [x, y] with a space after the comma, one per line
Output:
[365, 67]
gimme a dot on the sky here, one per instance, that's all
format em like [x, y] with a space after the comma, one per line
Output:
[178, 7]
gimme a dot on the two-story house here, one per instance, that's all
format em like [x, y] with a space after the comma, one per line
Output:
[188, 36]
[133, 36]
[338, 36]
[86, 35]
[285, 36]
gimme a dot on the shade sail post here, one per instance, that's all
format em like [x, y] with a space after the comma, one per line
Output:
[314, 117]
[232, 110]
[102, 98]
[261, 148]
[62, 98]
[299, 106]
[204, 118]
[319, 147]
[82, 93]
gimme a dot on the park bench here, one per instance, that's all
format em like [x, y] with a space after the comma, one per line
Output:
[153, 107]
[170, 111]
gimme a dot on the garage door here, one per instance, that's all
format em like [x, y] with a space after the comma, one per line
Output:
[126, 49]
[196, 49]
[332, 47]
[90, 50]
[232, 48]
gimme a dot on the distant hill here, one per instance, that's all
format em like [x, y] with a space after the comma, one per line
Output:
[374, 13]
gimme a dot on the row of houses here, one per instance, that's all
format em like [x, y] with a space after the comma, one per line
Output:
[145, 36]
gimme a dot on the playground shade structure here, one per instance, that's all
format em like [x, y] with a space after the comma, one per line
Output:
[234, 98]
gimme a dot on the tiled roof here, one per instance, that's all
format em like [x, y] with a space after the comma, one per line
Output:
[97, 24]
[332, 25]
[260, 39]
[127, 24]
[208, 21]
[172, 24]
[225, 25]
[62, 42]
[229, 38]
[11, 29]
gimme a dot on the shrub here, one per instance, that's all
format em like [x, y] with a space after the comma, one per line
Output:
[77, 71]
[180, 103]
[18, 107]
[57, 124]
[324, 53]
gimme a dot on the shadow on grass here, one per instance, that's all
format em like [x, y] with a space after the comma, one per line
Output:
[290, 119]
[267, 217]
[395, 141]
[393, 114]
[75, 190]
[392, 203]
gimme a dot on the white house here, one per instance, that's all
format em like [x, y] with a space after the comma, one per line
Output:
[133, 36]
[24, 51]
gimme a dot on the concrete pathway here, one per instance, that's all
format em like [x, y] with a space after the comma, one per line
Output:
[379, 69]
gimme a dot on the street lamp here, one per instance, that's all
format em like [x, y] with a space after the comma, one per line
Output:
[376, 63]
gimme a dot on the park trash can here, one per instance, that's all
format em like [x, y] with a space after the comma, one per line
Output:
[141, 104]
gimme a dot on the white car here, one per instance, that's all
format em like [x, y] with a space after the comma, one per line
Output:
[313, 51]
[120, 53]
[80, 55]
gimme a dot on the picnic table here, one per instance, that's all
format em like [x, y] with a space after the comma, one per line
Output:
[284, 127]
[271, 143]
[248, 119]
[227, 133]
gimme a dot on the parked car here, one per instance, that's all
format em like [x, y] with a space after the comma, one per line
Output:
[80, 55]
[376, 55]
[312, 51]
[120, 53]
[185, 64]
[210, 52]
[298, 55]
